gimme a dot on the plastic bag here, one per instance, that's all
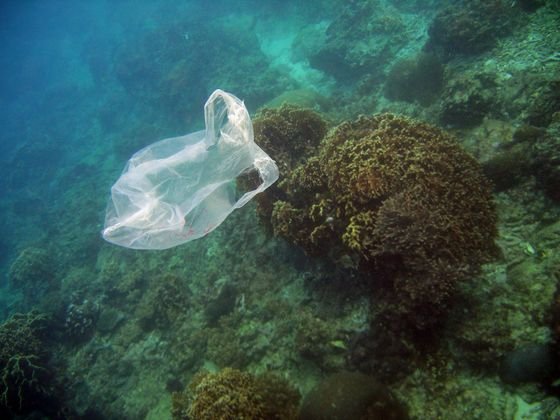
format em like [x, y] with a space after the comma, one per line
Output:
[182, 188]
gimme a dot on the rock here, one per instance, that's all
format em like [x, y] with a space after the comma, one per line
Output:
[530, 363]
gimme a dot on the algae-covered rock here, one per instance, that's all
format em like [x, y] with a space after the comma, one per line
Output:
[349, 395]
[419, 78]
[358, 41]
[33, 272]
[467, 99]
[529, 363]
[108, 320]
[471, 27]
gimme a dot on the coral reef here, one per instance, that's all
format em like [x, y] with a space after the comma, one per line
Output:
[379, 203]
[304, 98]
[319, 341]
[233, 394]
[233, 344]
[403, 196]
[290, 135]
[222, 302]
[510, 166]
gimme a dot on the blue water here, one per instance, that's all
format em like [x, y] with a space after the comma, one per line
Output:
[85, 84]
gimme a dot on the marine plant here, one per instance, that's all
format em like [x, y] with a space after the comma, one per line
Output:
[405, 198]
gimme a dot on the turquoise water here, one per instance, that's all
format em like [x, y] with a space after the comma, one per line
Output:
[408, 253]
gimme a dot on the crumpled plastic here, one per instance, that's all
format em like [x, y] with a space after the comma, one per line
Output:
[182, 188]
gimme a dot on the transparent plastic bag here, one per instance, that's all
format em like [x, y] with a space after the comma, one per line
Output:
[182, 188]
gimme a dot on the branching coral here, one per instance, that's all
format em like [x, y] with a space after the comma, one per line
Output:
[405, 197]
[23, 372]
[290, 134]
[233, 394]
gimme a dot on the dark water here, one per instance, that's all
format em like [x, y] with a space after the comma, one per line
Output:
[442, 303]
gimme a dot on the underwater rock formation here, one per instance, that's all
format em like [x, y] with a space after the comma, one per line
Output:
[164, 303]
[470, 27]
[347, 395]
[402, 196]
[529, 363]
[532, 151]
[185, 66]
[545, 103]
[467, 100]
[359, 40]
[418, 78]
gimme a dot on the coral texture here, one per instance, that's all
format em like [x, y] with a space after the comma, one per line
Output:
[290, 134]
[23, 373]
[402, 195]
[233, 394]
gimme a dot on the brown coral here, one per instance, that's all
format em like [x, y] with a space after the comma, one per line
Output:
[290, 134]
[233, 394]
[405, 197]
